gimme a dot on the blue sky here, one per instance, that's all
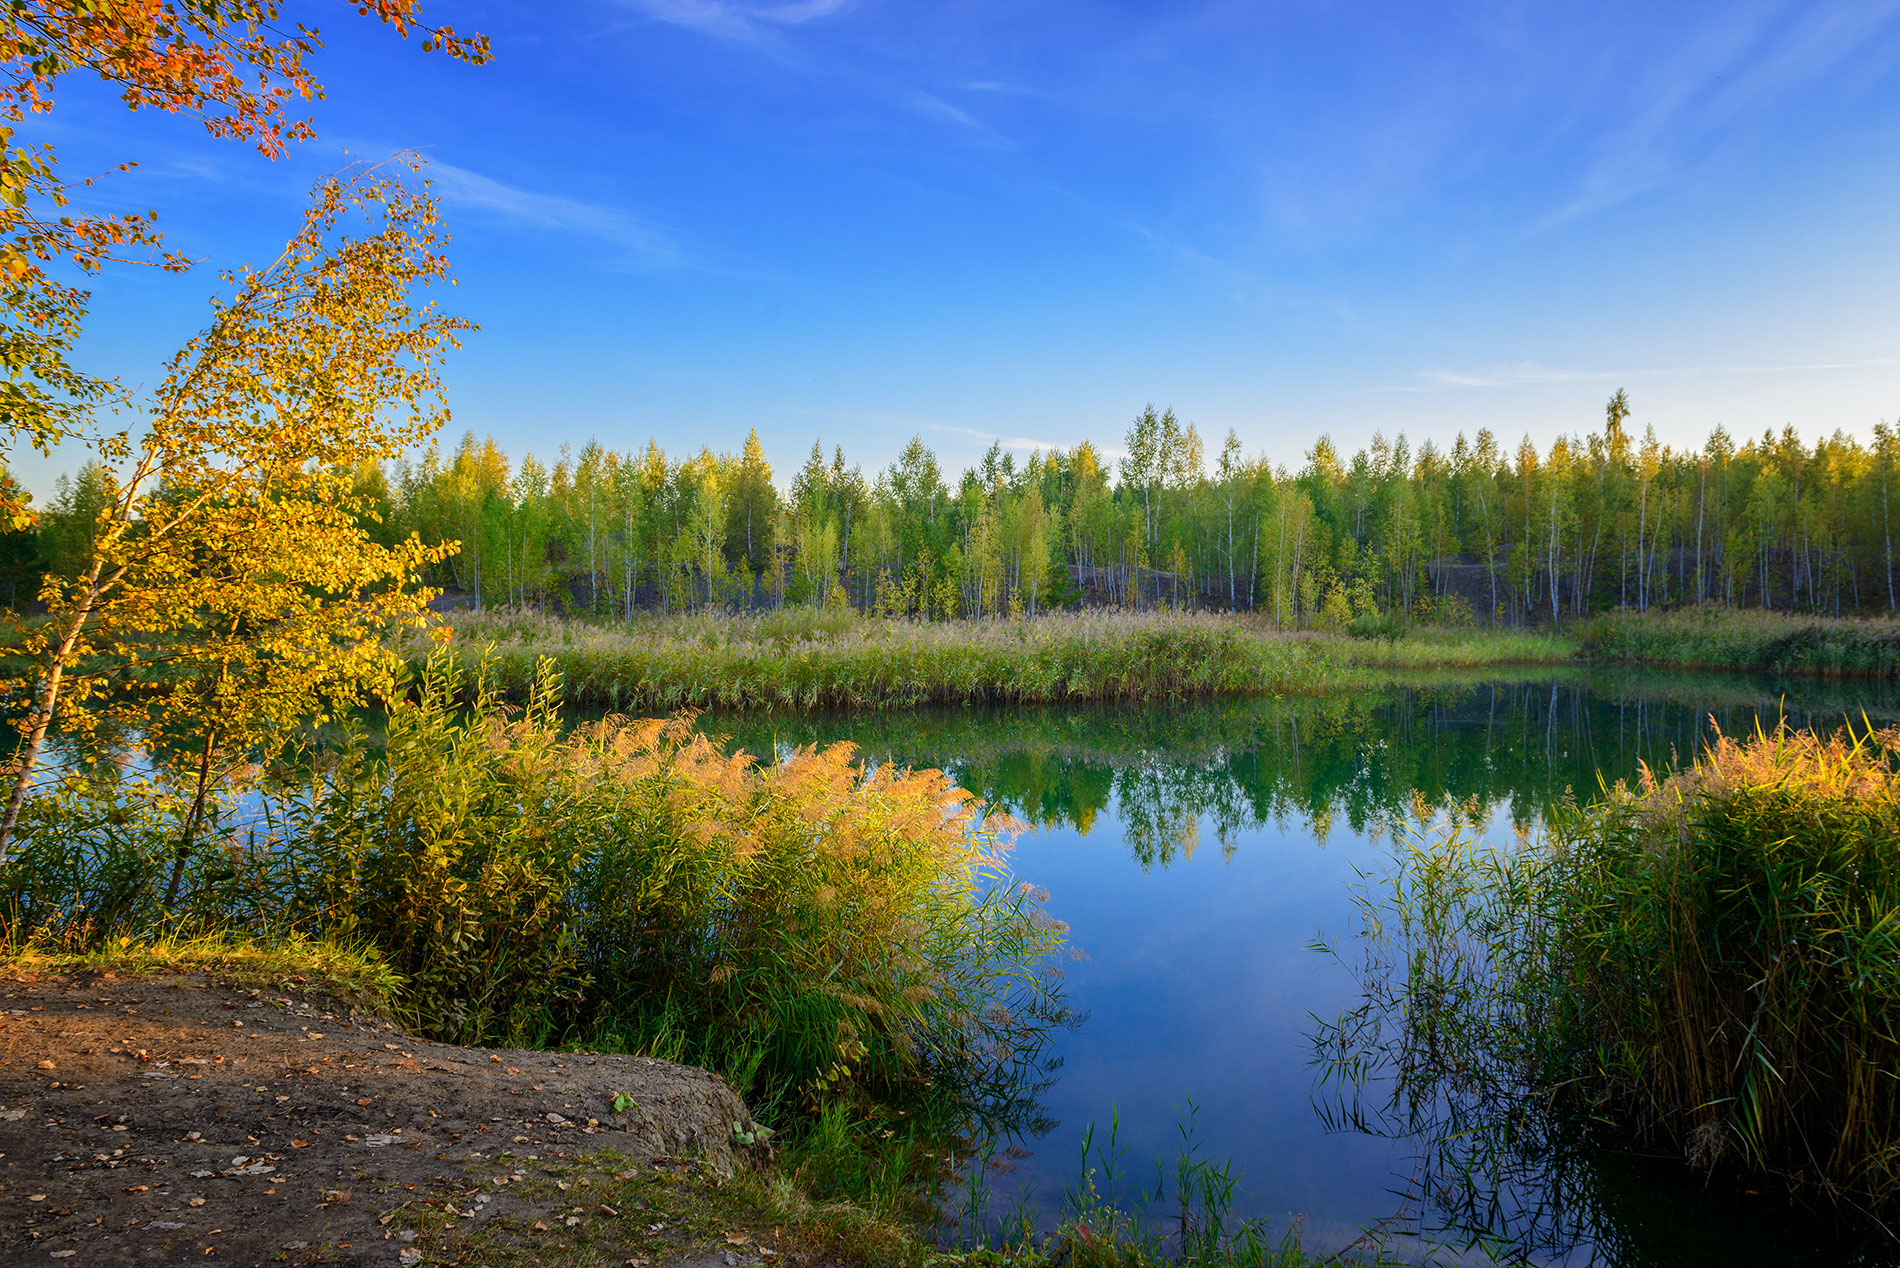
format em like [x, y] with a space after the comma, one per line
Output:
[860, 219]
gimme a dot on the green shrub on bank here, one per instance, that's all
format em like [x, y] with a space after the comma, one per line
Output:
[1710, 964]
[806, 926]
[1713, 637]
[799, 924]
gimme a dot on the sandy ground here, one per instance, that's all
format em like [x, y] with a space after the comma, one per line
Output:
[170, 1119]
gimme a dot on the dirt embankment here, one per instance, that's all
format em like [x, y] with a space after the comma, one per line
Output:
[164, 1119]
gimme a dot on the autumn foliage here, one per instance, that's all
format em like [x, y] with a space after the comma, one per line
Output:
[235, 65]
[231, 584]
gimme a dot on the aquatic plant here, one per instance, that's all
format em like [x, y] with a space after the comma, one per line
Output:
[1109, 1218]
[1708, 963]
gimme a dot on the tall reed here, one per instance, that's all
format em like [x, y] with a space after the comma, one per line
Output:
[809, 659]
[1729, 949]
[809, 926]
[1708, 963]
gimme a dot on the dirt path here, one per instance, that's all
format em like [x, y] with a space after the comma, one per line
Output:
[167, 1119]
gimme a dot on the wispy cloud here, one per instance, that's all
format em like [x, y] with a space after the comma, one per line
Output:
[1016, 444]
[1752, 59]
[731, 20]
[1803, 367]
[1019, 444]
[641, 243]
[1530, 374]
[932, 104]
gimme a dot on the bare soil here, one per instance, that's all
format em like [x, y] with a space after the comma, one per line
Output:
[162, 1119]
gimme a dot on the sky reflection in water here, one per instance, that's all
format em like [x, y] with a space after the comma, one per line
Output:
[1196, 850]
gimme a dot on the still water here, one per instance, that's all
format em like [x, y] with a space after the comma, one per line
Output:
[1198, 850]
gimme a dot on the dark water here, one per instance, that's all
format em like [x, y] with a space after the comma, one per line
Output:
[1197, 850]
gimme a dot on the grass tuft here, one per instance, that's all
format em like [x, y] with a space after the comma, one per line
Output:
[1708, 963]
[355, 973]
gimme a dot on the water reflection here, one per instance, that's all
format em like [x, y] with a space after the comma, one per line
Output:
[1166, 773]
[1196, 849]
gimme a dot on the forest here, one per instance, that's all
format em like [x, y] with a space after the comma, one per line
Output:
[1471, 532]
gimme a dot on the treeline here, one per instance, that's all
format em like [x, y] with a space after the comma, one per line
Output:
[1470, 532]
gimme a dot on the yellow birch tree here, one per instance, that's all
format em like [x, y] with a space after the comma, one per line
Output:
[231, 589]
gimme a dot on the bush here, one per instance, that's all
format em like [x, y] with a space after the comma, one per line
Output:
[1389, 626]
[1728, 953]
[1710, 963]
[96, 850]
[801, 925]
[809, 927]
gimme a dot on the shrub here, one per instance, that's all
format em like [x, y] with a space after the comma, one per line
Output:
[1728, 944]
[808, 926]
[801, 925]
[1709, 963]
[1389, 626]
[98, 846]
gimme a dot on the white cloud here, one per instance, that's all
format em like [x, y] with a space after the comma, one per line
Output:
[1743, 65]
[932, 104]
[1530, 374]
[643, 243]
[727, 19]
[1017, 444]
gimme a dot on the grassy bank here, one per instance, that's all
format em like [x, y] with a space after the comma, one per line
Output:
[1709, 965]
[801, 926]
[844, 944]
[811, 659]
[1712, 637]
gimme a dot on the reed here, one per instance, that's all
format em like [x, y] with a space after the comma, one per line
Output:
[1708, 963]
[1111, 1218]
[1731, 957]
[1713, 637]
[810, 927]
[830, 659]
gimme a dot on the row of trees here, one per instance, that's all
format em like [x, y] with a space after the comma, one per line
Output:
[1467, 532]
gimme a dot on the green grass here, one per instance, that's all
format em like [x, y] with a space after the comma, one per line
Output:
[1429, 648]
[1712, 637]
[630, 1211]
[1708, 965]
[809, 659]
[352, 972]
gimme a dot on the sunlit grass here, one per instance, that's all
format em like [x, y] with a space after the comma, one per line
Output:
[238, 957]
[1461, 648]
[808, 659]
[1709, 964]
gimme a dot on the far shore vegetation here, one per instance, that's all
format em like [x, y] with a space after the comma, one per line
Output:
[817, 658]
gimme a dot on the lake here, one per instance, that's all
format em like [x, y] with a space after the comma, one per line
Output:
[1197, 850]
